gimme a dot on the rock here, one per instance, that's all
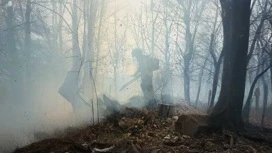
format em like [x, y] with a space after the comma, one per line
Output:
[192, 124]
[175, 118]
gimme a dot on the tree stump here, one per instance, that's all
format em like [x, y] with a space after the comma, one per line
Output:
[166, 110]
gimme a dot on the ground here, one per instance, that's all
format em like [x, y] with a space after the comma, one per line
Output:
[139, 130]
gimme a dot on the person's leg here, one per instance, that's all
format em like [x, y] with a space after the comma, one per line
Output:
[145, 92]
[150, 95]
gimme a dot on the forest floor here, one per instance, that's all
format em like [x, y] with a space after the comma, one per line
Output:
[141, 131]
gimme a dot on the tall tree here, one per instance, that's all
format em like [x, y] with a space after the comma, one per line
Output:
[27, 46]
[216, 62]
[167, 70]
[235, 17]
[69, 88]
[11, 49]
[190, 35]
[257, 37]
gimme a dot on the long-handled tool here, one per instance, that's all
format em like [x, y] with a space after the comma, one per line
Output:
[131, 81]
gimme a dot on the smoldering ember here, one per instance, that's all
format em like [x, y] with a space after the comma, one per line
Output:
[131, 76]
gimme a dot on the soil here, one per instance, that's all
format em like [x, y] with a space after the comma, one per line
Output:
[141, 131]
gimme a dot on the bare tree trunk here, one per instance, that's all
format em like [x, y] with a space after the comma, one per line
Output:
[227, 112]
[153, 28]
[217, 66]
[257, 33]
[88, 54]
[188, 51]
[54, 25]
[69, 89]
[216, 63]
[98, 46]
[215, 82]
[265, 92]
[250, 76]
[189, 41]
[271, 70]
[27, 47]
[75, 42]
[209, 97]
[11, 43]
[186, 81]
[265, 97]
[167, 72]
[60, 31]
[200, 79]
[257, 102]
[247, 107]
[117, 54]
[27, 29]
[13, 60]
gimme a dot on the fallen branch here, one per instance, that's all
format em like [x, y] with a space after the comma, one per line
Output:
[135, 150]
[252, 148]
[102, 150]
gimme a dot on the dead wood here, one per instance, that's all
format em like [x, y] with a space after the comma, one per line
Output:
[166, 110]
[154, 136]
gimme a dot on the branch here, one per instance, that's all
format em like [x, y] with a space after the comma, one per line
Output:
[257, 33]
[247, 105]
[55, 13]
[253, 4]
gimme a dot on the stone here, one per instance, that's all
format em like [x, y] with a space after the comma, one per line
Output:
[192, 124]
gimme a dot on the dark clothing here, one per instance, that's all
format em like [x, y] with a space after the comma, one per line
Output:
[146, 78]
[147, 88]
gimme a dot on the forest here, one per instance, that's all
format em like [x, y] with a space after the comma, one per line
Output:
[135, 76]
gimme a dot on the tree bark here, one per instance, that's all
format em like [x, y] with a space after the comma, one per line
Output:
[189, 41]
[247, 107]
[98, 42]
[188, 52]
[227, 112]
[60, 26]
[167, 72]
[200, 80]
[215, 81]
[217, 66]
[258, 32]
[265, 97]
[69, 88]
[271, 71]
[216, 62]
[265, 94]
[27, 49]
[13, 59]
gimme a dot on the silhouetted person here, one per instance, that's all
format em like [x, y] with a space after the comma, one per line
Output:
[146, 66]
[257, 96]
